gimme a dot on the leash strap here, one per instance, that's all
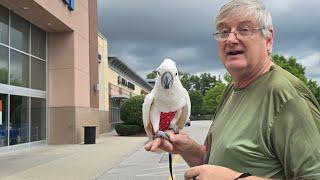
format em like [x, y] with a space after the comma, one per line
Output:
[170, 165]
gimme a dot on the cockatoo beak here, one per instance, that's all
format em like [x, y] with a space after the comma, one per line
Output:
[166, 80]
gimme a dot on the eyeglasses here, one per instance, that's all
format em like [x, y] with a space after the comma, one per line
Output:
[241, 33]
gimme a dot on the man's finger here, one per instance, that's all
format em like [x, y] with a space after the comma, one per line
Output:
[155, 145]
[173, 137]
[191, 173]
[166, 145]
[148, 145]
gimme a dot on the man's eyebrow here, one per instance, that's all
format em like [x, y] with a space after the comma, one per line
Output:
[246, 22]
[221, 24]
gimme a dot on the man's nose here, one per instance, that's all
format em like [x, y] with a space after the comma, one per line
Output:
[232, 38]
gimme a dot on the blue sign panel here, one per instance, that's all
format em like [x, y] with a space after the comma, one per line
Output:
[70, 4]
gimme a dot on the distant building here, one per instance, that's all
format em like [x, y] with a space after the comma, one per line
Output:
[123, 83]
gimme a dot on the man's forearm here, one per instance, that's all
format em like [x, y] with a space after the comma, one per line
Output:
[194, 155]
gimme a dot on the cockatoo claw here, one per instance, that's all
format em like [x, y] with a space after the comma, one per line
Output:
[175, 129]
[161, 134]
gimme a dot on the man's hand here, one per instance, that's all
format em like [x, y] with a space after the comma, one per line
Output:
[182, 144]
[209, 172]
[176, 144]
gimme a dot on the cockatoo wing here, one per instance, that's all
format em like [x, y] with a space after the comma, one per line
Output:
[148, 101]
[185, 110]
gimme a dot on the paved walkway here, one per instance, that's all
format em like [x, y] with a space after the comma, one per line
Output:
[142, 165]
[72, 162]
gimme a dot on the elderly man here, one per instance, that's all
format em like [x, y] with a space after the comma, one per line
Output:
[268, 122]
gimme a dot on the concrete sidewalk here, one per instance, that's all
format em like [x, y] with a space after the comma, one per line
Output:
[71, 162]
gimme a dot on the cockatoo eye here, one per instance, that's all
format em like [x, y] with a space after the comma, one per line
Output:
[176, 73]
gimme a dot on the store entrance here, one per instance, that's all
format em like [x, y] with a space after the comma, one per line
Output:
[22, 119]
[3, 120]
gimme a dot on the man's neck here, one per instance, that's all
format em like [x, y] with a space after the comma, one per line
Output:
[248, 78]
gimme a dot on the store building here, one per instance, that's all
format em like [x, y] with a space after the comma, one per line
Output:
[123, 83]
[48, 72]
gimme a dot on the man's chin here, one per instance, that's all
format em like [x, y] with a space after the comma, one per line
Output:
[235, 66]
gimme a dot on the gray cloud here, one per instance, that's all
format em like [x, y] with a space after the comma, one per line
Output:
[143, 32]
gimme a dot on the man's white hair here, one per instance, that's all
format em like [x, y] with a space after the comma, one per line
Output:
[252, 8]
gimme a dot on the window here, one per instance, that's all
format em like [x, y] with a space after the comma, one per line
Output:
[119, 79]
[124, 82]
[38, 119]
[38, 42]
[19, 72]
[4, 25]
[38, 74]
[4, 64]
[131, 86]
[19, 33]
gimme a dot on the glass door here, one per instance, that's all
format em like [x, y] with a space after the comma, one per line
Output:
[3, 120]
[19, 120]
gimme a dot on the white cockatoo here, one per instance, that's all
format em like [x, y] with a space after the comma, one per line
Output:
[168, 105]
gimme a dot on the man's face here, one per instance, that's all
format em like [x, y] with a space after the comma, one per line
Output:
[239, 53]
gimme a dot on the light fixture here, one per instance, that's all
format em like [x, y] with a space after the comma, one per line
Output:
[26, 8]
[49, 24]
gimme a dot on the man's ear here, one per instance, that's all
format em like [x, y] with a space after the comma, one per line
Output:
[270, 40]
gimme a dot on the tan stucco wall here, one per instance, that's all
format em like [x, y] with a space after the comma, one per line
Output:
[105, 124]
[69, 75]
[103, 93]
[69, 60]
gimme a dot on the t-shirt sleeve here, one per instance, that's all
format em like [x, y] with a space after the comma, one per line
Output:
[295, 139]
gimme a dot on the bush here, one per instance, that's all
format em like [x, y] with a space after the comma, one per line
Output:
[196, 99]
[201, 117]
[131, 111]
[127, 129]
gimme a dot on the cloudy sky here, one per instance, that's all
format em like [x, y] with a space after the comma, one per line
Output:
[143, 32]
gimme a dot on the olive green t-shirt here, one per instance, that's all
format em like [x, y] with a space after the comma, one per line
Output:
[270, 128]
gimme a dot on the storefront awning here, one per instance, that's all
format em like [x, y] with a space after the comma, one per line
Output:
[122, 96]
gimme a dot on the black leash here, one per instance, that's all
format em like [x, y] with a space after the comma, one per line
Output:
[170, 165]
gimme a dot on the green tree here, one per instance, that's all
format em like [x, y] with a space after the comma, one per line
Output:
[195, 82]
[227, 77]
[315, 89]
[196, 99]
[185, 81]
[212, 98]
[297, 70]
[152, 75]
[207, 81]
[290, 65]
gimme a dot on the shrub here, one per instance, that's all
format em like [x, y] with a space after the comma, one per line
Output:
[127, 129]
[201, 117]
[131, 111]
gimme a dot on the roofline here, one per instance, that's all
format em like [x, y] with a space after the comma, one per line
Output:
[101, 35]
[119, 66]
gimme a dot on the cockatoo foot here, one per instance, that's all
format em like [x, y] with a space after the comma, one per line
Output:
[175, 129]
[161, 134]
